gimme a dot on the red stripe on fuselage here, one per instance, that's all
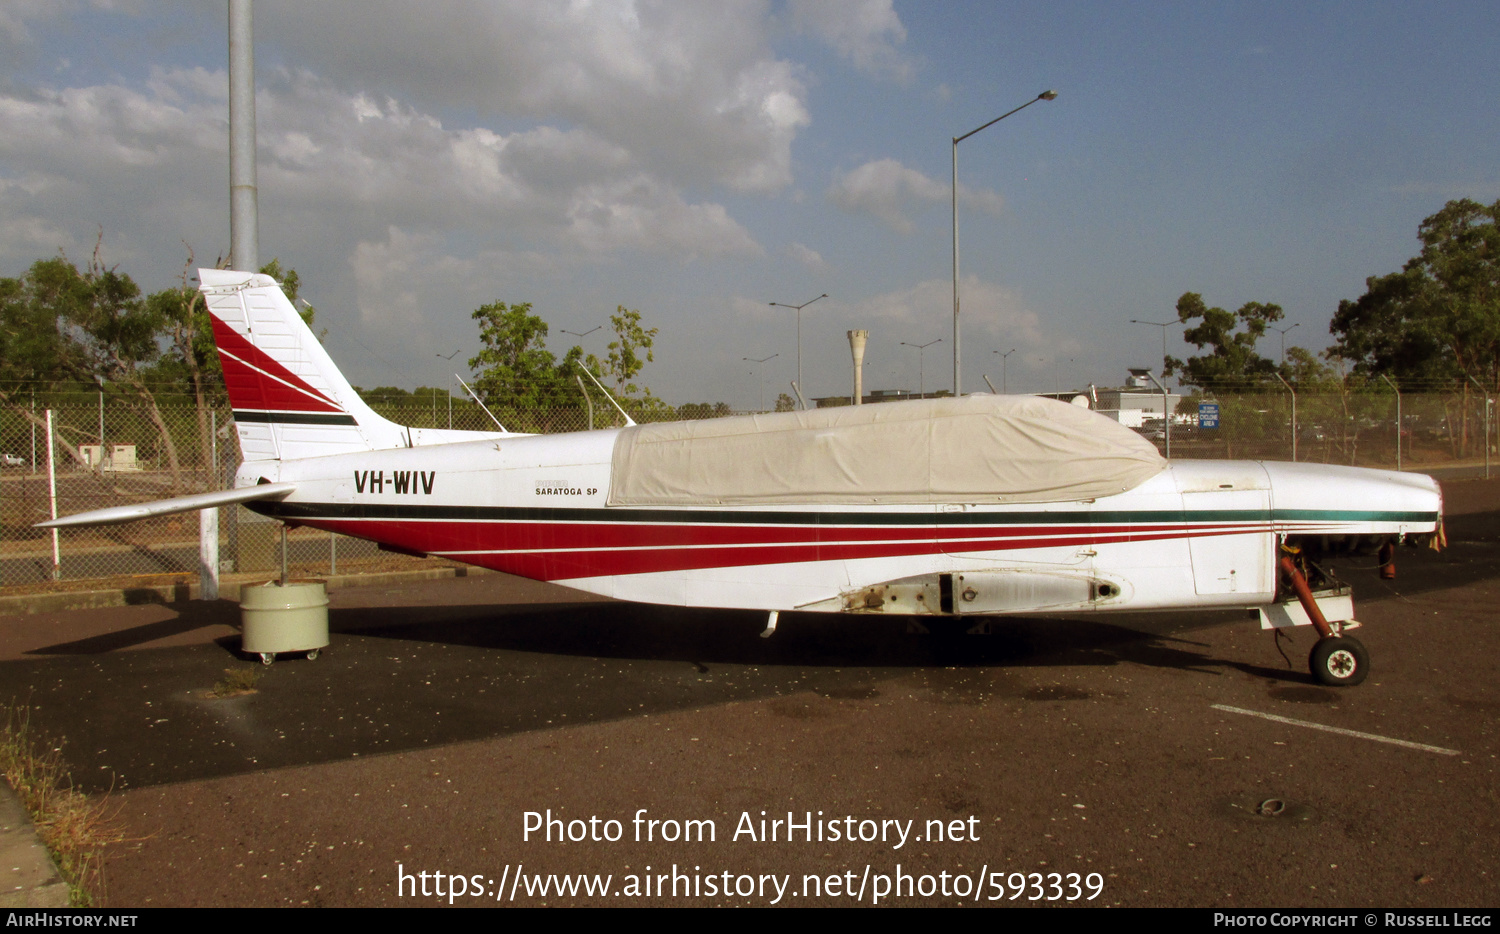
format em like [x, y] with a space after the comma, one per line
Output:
[564, 550]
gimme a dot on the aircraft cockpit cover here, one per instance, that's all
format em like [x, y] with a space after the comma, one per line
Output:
[977, 449]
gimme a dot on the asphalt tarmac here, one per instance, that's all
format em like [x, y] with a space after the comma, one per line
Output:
[1111, 760]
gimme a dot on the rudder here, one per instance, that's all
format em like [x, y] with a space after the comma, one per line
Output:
[289, 398]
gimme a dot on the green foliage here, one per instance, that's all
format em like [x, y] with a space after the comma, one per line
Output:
[518, 374]
[516, 370]
[703, 410]
[785, 403]
[1438, 319]
[1231, 363]
[632, 340]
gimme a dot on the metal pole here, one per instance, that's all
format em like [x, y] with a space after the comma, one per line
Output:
[1003, 361]
[1398, 417]
[957, 359]
[799, 334]
[333, 553]
[243, 223]
[921, 366]
[1294, 415]
[208, 523]
[283, 554]
[1486, 424]
[52, 493]
[1166, 420]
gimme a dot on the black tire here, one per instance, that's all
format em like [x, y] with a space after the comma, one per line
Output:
[1339, 661]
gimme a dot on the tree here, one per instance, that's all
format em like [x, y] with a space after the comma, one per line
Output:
[108, 335]
[1232, 363]
[516, 370]
[1438, 319]
[624, 359]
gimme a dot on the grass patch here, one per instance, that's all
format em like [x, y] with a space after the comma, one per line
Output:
[74, 828]
[237, 681]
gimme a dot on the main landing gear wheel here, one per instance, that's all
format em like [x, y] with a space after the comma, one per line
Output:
[1339, 661]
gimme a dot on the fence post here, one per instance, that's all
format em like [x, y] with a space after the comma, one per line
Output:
[208, 554]
[1486, 425]
[1398, 417]
[52, 488]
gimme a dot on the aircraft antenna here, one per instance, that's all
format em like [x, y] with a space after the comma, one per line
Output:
[989, 384]
[629, 422]
[475, 397]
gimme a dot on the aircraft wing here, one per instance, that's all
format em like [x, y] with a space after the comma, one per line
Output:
[168, 507]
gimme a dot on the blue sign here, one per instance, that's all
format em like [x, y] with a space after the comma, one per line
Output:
[1208, 415]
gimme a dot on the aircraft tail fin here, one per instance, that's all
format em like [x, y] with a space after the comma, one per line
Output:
[289, 398]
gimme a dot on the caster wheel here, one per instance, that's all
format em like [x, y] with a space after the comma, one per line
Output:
[267, 658]
[313, 654]
[1339, 661]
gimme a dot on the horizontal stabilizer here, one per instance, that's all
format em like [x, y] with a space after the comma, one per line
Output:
[168, 507]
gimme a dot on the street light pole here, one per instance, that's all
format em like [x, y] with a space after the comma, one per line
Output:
[762, 362]
[799, 333]
[957, 365]
[1283, 339]
[921, 364]
[1163, 325]
[1004, 389]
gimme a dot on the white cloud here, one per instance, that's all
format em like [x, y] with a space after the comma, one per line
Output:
[889, 190]
[864, 31]
[644, 215]
[325, 153]
[807, 256]
[692, 91]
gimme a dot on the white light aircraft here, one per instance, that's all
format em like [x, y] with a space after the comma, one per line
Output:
[971, 507]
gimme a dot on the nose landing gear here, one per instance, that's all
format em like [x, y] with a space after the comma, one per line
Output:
[1337, 660]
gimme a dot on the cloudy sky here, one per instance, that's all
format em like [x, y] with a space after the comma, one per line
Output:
[698, 161]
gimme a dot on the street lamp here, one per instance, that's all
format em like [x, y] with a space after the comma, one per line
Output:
[1166, 410]
[921, 368]
[1003, 387]
[1163, 325]
[957, 371]
[799, 333]
[1283, 339]
[762, 362]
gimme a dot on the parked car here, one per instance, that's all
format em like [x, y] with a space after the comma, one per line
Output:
[11, 460]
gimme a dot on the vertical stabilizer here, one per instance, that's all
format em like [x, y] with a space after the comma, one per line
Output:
[289, 399]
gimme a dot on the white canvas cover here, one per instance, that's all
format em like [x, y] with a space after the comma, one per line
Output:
[977, 449]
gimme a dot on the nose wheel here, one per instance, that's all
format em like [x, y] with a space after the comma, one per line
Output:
[1339, 661]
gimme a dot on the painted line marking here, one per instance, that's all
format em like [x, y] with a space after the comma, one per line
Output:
[1340, 730]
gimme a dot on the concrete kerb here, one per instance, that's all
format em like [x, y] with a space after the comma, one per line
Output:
[184, 591]
[32, 880]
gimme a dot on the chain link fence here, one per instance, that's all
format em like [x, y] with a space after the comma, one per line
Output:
[110, 453]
